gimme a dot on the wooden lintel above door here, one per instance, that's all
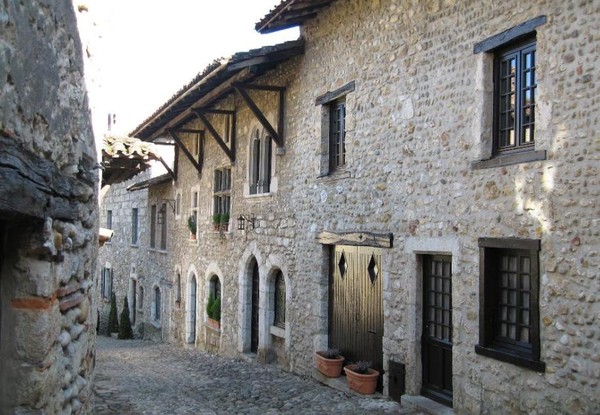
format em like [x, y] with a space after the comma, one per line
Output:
[379, 240]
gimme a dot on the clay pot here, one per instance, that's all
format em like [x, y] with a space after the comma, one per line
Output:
[332, 368]
[362, 383]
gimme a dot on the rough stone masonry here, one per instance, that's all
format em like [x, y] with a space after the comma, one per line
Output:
[48, 213]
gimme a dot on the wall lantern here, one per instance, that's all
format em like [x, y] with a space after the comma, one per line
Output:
[241, 222]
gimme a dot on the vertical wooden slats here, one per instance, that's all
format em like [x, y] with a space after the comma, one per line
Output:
[356, 304]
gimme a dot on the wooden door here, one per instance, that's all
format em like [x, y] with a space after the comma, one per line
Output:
[255, 299]
[193, 313]
[437, 328]
[356, 305]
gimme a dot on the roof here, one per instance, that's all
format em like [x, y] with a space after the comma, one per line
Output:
[290, 13]
[243, 66]
[124, 157]
[150, 182]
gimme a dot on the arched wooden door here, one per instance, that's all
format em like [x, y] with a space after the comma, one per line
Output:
[192, 311]
[254, 306]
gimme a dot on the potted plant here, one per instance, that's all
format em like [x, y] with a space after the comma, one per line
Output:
[213, 311]
[362, 378]
[216, 220]
[224, 222]
[329, 362]
[191, 223]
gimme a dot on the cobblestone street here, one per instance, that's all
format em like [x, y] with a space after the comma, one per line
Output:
[140, 377]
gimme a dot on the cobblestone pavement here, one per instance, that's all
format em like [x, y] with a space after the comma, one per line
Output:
[139, 377]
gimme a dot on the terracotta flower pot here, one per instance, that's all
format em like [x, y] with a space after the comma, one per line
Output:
[332, 368]
[362, 383]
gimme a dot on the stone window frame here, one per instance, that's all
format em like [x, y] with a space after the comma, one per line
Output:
[177, 284]
[135, 215]
[492, 48]
[328, 101]
[491, 342]
[260, 163]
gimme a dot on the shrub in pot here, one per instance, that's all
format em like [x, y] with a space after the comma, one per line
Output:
[362, 378]
[329, 362]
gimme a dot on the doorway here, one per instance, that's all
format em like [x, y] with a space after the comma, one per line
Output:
[356, 304]
[191, 311]
[437, 328]
[254, 333]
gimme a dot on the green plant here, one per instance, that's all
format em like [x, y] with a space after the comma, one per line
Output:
[362, 367]
[209, 305]
[216, 218]
[224, 218]
[113, 321]
[216, 309]
[330, 353]
[191, 223]
[125, 330]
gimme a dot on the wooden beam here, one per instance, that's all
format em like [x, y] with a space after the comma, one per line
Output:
[187, 153]
[241, 89]
[215, 93]
[230, 152]
[379, 240]
[166, 166]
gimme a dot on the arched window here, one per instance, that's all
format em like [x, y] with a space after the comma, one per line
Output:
[260, 163]
[279, 300]
[213, 307]
[156, 308]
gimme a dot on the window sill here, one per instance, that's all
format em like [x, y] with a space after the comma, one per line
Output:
[509, 159]
[336, 175]
[260, 195]
[156, 324]
[134, 246]
[277, 331]
[507, 357]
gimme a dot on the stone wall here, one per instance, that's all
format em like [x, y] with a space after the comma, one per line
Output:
[48, 213]
[416, 120]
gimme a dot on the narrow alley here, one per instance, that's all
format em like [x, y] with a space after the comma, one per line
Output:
[141, 377]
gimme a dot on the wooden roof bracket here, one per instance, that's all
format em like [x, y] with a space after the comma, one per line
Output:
[228, 150]
[196, 163]
[171, 173]
[242, 89]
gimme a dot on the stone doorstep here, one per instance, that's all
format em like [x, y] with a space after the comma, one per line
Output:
[419, 403]
[426, 405]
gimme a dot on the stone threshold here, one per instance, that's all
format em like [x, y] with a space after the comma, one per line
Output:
[419, 403]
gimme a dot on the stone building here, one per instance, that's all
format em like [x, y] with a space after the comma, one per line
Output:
[417, 184]
[48, 213]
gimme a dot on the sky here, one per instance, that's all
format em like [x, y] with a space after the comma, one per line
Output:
[143, 51]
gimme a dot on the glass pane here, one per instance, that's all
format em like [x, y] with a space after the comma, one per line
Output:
[512, 281]
[525, 282]
[503, 313]
[446, 302]
[512, 297]
[446, 285]
[503, 297]
[512, 332]
[525, 300]
[503, 330]
[525, 317]
[525, 265]
[512, 315]
[524, 335]
[446, 332]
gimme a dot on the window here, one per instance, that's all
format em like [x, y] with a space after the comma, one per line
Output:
[279, 300]
[134, 226]
[337, 135]
[109, 224]
[260, 163]
[196, 146]
[333, 129]
[178, 288]
[509, 295]
[153, 226]
[178, 204]
[514, 97]
[213, 305]
[513, 53]
[194, 206]
[156, 305]
[141, 298]
[222, 193]
[162, 219]
[107, 282]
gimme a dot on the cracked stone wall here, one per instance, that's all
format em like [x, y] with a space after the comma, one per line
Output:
[48, 213]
